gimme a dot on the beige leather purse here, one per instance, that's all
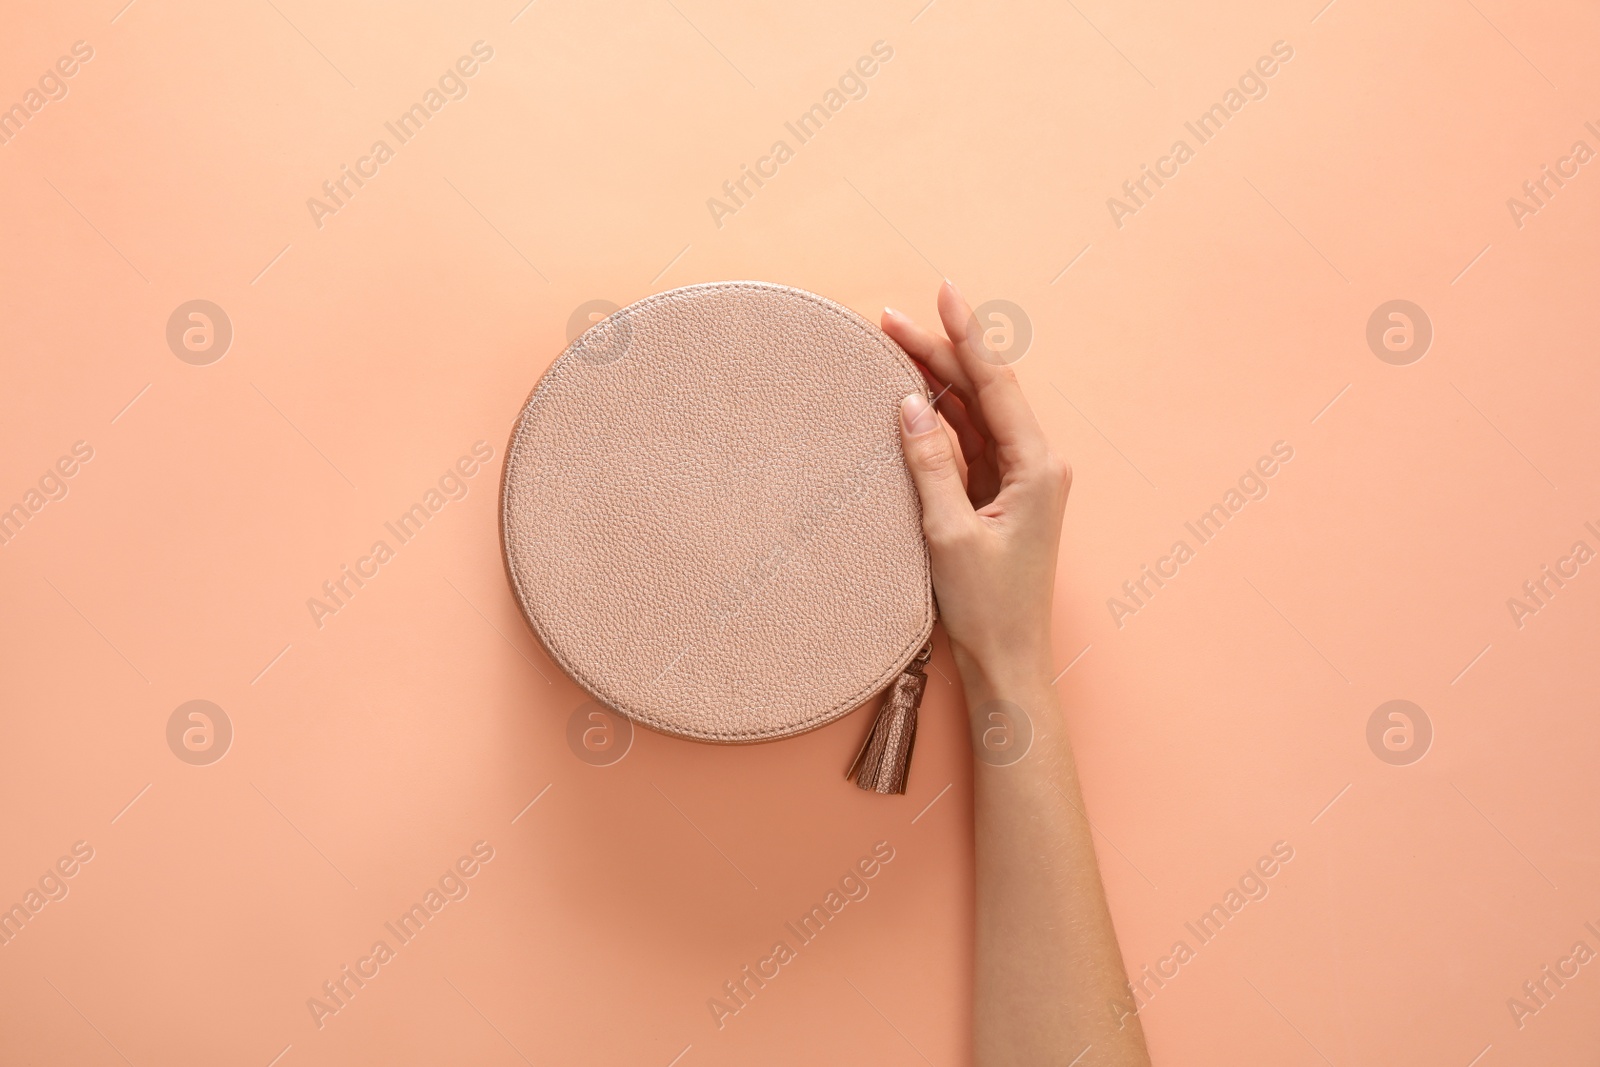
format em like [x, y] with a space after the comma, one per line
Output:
[708, 522]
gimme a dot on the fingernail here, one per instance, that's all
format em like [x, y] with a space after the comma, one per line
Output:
[954, 288]
[917, 415]
[889, 311]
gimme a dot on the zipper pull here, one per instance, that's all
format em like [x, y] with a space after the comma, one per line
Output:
[884, 761]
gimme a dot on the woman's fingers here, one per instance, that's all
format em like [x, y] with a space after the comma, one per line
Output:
[999, 437]
[983, 476]
[932, 461]
[1007, 418]
[955, 413]
[938, 355]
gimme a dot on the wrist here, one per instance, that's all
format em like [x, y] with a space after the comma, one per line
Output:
[1015, 721]
[1008, 674]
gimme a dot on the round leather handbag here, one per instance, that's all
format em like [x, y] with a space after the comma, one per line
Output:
[708, 522]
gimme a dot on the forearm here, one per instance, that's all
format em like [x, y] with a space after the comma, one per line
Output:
[1047, 962]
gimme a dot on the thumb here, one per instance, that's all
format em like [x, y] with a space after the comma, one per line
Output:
[933, 467]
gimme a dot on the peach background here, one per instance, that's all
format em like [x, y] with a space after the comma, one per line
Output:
[1228, 714]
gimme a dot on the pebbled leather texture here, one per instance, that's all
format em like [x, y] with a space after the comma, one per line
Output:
[707, 518]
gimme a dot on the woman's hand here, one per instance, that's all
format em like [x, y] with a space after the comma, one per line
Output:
[993, 539]
[1049, 984]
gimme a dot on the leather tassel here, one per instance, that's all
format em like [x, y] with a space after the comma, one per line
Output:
[884, 761]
